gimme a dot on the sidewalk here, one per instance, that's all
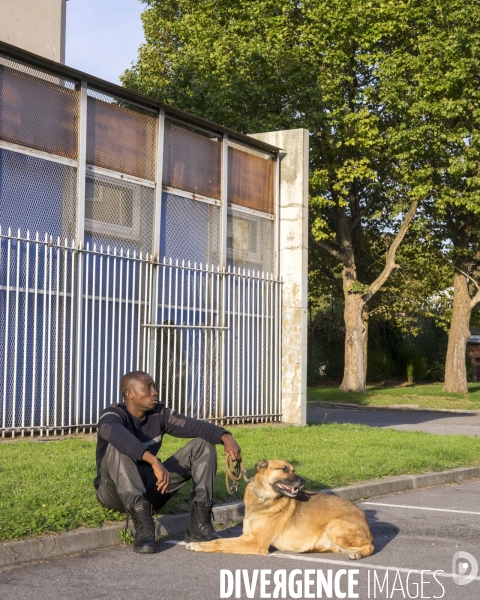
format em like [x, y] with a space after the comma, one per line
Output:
[84, 540]
[406, 418]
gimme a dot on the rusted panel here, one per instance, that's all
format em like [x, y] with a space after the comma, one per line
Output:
[120, 139]
[191, 162]
[38, 113]
[250, 180]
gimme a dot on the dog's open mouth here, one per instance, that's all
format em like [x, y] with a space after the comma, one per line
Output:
[288, 490]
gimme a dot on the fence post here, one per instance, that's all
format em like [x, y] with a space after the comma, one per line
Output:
[221, 397]
[293, 269]
[152, 332]
[80, 235]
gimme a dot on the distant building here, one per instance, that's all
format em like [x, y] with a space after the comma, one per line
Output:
[35, 25]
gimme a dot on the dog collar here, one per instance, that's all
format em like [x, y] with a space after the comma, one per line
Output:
[259, 496]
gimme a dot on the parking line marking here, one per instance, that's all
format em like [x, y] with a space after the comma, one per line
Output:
[356, 563]
[349, 563]
[463, 512]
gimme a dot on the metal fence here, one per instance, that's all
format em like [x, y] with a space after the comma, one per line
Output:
[73, 321]
[111, 182]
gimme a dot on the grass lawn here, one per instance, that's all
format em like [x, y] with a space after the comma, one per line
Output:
[424, 396]
[47, 487]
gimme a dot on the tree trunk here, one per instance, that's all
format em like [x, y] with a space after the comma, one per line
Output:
[365, 318]
[455, 368]
[355, 330]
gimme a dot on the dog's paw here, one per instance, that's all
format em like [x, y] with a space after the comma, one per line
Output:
[195, 546]
[354, 555]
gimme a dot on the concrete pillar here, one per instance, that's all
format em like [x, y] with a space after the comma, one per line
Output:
[35, 25]
[293, 267]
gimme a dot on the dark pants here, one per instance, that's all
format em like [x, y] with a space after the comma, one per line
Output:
[125, 482]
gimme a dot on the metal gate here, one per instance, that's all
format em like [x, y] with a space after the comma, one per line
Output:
[215, 341]
[74, 321]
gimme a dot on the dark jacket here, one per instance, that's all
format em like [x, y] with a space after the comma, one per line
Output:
[132, 436]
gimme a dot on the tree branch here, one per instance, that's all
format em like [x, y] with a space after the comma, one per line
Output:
[375, 309]
[390, 261]
[333, 251]
[363, 213]
[476, 299]
[469, 277]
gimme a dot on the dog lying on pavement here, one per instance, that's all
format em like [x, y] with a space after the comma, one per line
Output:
[279, 514]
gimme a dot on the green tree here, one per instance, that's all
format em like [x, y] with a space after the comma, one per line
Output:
[434, 80]
[332, 67]
[415, 299]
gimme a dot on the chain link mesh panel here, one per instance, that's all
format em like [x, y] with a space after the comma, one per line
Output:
[250, 178]
[250, 242]
[190, 230]
[192, 160]
[120, 137]
[37, 110]
[37, 195]
[118, 213]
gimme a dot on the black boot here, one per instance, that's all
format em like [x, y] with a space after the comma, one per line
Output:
[141, 514]
[200, 527]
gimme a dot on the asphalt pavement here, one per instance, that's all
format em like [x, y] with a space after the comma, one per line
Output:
[417, 535]
[449, 423]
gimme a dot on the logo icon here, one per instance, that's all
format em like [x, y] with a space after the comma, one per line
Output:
[461, 561]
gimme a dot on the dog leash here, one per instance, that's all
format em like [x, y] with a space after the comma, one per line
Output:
[234, 472]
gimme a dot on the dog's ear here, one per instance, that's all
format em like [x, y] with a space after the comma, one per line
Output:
[261, 465]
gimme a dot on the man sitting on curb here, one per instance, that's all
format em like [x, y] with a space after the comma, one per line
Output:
[130, 478]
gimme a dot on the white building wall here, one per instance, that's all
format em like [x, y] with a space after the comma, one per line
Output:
[293, 268]
[35, 25]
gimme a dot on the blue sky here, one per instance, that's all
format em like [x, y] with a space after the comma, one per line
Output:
[103, 36]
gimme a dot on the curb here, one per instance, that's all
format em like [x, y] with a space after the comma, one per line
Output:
[387, 407]
[404, 483]
[84, 540]
[88, 539]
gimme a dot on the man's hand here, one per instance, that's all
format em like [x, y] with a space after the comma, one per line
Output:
[231, 447]
[161, 473]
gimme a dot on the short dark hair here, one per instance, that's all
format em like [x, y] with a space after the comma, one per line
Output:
[127, 380]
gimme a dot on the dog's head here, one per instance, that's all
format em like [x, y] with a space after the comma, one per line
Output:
[277, 477]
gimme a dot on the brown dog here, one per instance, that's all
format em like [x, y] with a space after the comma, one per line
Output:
[278, 514]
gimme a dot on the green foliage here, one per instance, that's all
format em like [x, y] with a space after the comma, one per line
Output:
[419, 293]
[358, 288]
[326, 340]
[389, 92]
[380, 366]
[126, 537]
[394, 344]
[278, 64]
[438, 93]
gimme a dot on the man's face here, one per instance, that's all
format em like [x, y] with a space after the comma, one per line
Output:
[142, 395]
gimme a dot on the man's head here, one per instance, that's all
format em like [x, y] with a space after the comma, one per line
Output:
[139, 393]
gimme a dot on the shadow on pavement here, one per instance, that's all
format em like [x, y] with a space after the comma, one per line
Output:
[383, 532]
